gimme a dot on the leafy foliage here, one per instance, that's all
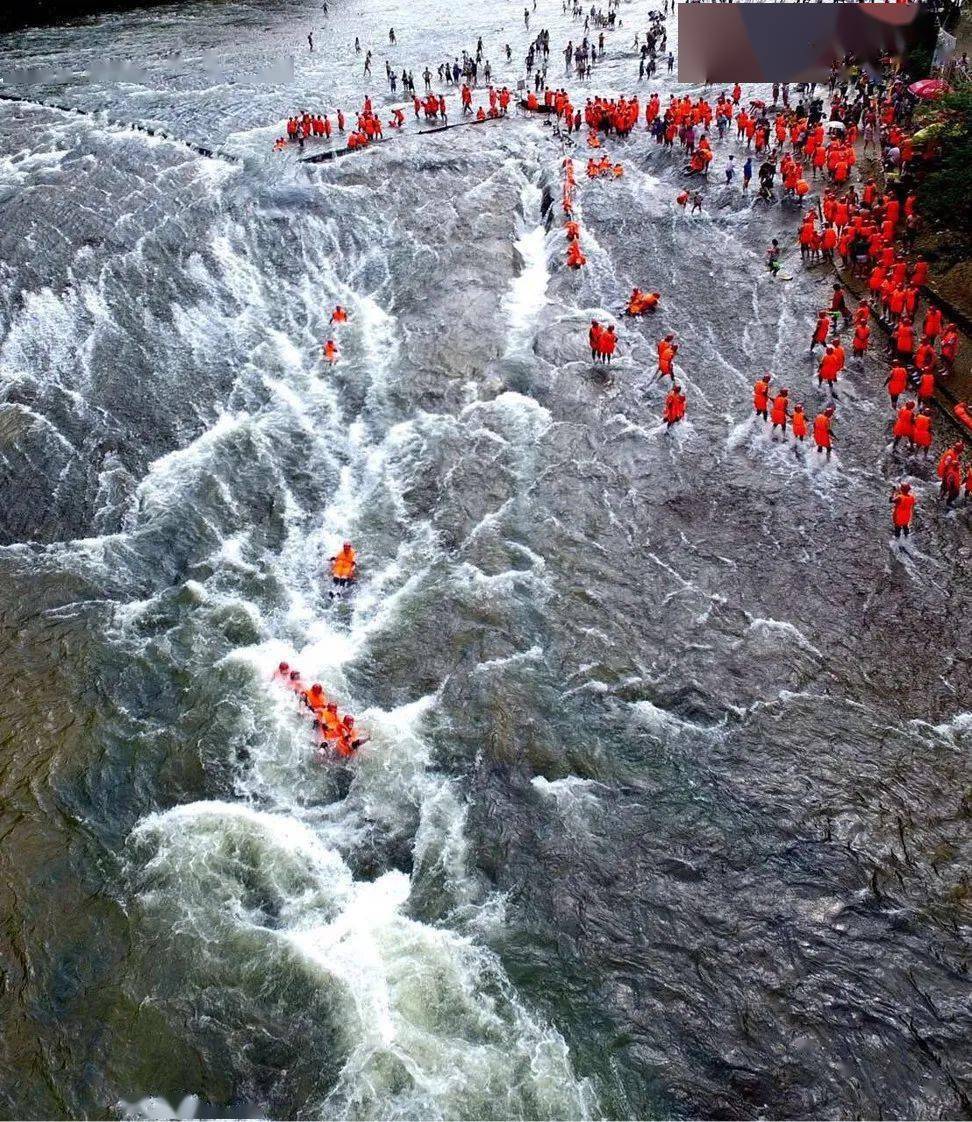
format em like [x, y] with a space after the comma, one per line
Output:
[945, 194]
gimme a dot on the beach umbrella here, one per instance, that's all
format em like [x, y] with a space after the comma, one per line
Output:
[929, 88]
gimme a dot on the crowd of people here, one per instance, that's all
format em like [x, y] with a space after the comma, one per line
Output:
[857, 223]
[867, 229]
[337, 736]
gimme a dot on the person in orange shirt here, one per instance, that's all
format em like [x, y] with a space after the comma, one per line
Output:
[674, 406]
[667, 349]
[904, 425]
[922, 437]
[641, 302]
[821, 330]
[761, 396]
[829, 369]
[897, 383]
[607, 343]
[799, 422]
[822, 433]
[575, 255]
[315, 699]
[950, 472]
[781, 407]
[344, 565]
[902, 509]
[330, 351]
[339, 315]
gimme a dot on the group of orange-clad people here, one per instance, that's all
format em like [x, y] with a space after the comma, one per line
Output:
[604, 166]
[774, 408]
[575, 255]
[330, 349]
[305, 126]
[336, 733]
[603, 341]
[862, 228]
[673, 409]
[866, 229]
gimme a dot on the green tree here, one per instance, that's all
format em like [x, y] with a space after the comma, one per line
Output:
[945, 194]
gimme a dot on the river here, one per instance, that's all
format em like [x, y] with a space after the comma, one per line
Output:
[665, 811]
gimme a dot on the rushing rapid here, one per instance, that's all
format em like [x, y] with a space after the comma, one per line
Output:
[664, 810]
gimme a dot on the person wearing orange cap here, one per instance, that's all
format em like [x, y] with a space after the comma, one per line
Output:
[902, 509]
[823, 435]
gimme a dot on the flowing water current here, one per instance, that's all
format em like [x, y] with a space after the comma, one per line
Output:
[666, 806]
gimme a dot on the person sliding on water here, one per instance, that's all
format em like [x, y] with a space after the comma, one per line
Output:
[330, 351]
[339, 315]
[343, 566]
[575, 255]
[641, 302]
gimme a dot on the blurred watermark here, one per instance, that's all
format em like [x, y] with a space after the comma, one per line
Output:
[789, 42]
[154, 1108]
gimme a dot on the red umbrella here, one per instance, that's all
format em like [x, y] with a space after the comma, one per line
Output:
[929, 87]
